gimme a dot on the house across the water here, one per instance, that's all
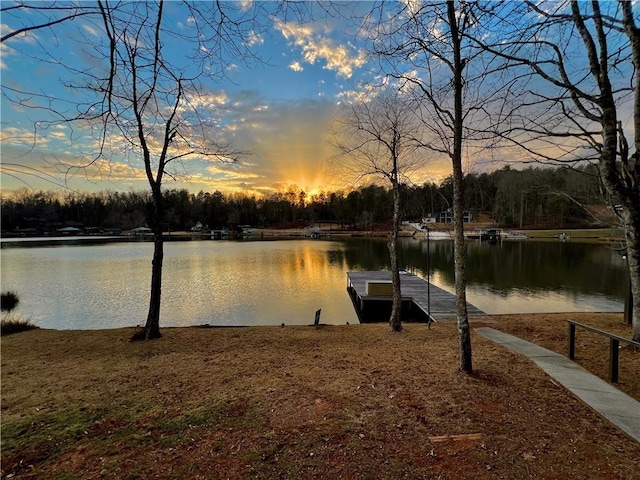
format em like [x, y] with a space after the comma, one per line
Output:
[446, 217]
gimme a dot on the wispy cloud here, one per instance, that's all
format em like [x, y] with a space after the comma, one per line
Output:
[210, 100]
[5, 48]
[91, 30]
[18, 136]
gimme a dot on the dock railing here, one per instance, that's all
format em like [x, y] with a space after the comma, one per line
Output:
[614, 346]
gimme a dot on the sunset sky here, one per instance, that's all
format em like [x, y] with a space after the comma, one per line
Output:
[279, 110]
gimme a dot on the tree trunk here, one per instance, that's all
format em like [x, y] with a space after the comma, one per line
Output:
[152, 326]
[395, 324]
[632, 234]
[464, 332]
[632, 169]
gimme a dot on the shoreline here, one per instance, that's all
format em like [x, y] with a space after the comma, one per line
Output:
[596, 235]
[487, 319]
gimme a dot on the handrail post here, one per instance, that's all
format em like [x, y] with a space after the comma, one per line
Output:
[572, 341]
[614, 346]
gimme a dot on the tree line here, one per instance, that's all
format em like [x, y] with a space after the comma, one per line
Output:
[528, 198]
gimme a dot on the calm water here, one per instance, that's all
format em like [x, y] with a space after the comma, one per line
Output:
[274, 282]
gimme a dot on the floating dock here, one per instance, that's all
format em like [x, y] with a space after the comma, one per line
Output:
[371, 295]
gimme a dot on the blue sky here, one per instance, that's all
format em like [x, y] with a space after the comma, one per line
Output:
[280, 110]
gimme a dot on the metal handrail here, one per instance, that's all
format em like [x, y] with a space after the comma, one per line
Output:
[614, 346]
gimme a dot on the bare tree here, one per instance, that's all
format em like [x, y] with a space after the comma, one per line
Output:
[136, 102]
[577, 97]
[153, 106]
[425, 46]
[379, 138]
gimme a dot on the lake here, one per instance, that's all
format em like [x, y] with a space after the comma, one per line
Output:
[232, 283]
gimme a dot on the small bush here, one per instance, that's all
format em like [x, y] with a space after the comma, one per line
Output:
[8, 301]
[12, 324]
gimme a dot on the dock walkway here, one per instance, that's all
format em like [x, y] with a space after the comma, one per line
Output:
[427, 297]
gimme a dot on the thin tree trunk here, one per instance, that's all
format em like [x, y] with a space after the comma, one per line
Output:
[464, 332]
[632, 234]
[395, 324]
[152, 326]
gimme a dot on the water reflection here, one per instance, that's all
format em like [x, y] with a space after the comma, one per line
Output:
[515, 276]
[274, 282]
[204, 282]
[258, 283]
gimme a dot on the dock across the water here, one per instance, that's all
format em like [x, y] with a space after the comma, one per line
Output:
[421, 301]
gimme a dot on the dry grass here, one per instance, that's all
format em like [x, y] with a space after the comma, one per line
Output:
[295, 402]
[12, 323]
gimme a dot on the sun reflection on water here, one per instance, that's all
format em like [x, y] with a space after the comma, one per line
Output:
[273, 282]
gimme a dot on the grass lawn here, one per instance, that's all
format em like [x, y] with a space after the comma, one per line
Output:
[353, 402]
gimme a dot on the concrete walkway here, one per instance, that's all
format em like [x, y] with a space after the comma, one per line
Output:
[614, 405]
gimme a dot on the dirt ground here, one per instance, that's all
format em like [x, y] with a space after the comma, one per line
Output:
[352, 402]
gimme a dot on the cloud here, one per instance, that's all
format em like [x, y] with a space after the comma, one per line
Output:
[296, 67]
[413, 6]
[114, 170]
[50, 164]
[254, 38]
[27, 37]
[284, 140]
[21, 137]
[5, 48]
[91, 30]
[285, 143]
[342, 59]
[246, 4]
[205, 100]
[363, 94]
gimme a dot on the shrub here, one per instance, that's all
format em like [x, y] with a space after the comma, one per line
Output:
[8, 301]
[13, 324]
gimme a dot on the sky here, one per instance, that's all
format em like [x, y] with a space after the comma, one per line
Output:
[275, 102]
[277, 111]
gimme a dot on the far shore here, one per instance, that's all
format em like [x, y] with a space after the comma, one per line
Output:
[604, 235]
[332, 230]
[595, 235]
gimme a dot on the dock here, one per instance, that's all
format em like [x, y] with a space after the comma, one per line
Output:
[422, 302]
